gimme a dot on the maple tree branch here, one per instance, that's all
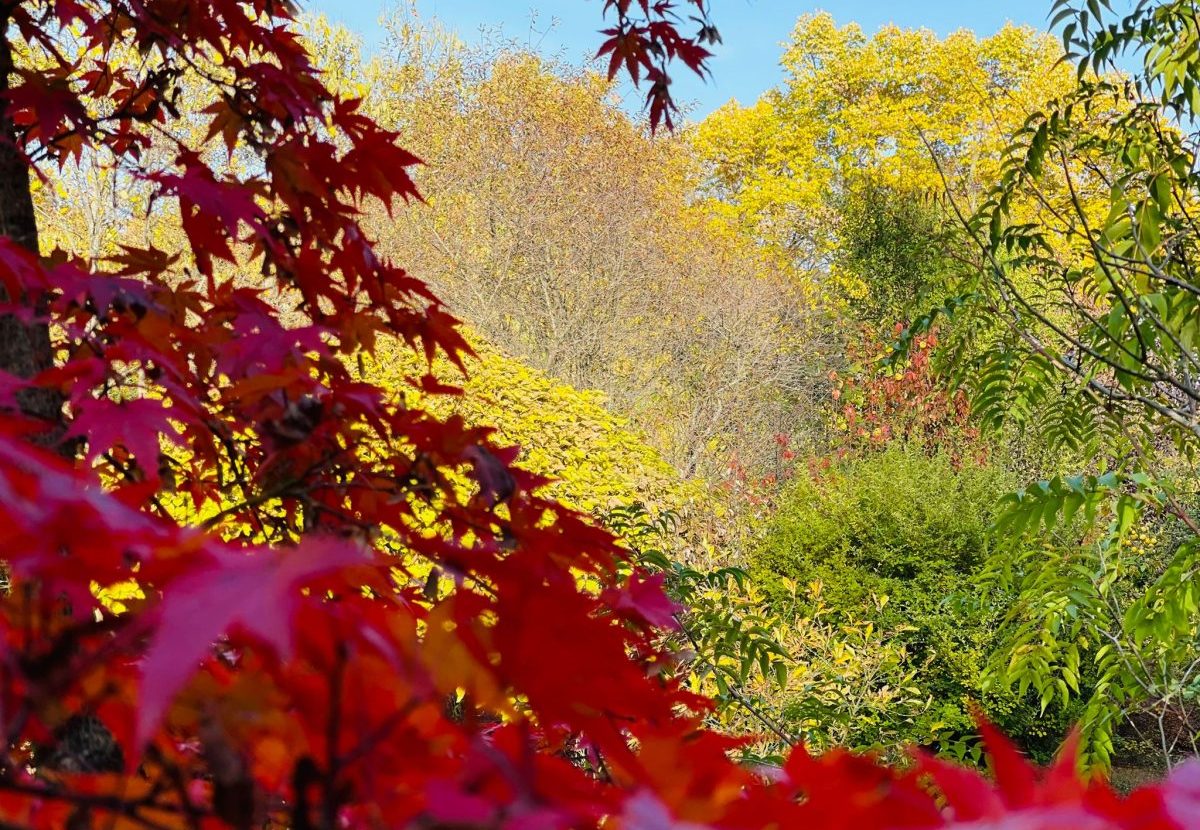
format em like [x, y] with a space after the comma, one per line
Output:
[177, 781]
[129, 473]
[282, 490]
[367, 744]
[127, 808]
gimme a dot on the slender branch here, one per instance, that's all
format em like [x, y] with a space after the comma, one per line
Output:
[777, 729]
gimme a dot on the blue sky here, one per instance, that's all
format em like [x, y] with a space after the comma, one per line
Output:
[745, 65]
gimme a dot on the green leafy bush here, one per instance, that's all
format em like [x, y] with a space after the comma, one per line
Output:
[827, 679]
[889, 523]
[899, 537]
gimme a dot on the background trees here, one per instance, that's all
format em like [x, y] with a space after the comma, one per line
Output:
[842, 151]
[569, 238]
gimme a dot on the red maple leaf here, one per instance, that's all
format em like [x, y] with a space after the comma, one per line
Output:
[257, 591]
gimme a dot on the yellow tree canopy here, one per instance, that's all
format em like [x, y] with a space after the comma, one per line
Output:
[876, 109]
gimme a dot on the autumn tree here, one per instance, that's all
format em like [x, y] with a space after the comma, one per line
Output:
[566, 235]
[836, 166]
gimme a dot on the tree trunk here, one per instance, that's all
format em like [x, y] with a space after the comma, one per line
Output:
[83, 744]
[25, 349]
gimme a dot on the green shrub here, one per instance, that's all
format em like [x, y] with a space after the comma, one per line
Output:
[899, 537]
[889, 523]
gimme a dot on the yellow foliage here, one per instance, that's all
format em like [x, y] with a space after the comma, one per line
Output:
[571, 239]
[598, 460]
[855, 106]
[114, 597]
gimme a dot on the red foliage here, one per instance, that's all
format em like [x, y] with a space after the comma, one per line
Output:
[645, 45]
[280, 671]
[756, 494]
[875, 403]
[909, 402]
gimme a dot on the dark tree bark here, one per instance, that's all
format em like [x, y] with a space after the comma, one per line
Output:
[25, 349]
[83, 744]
